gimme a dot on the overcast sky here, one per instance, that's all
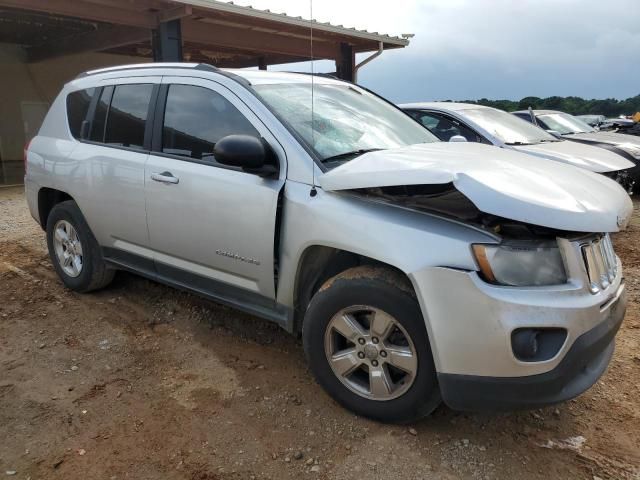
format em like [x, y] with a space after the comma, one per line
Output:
[470, 49]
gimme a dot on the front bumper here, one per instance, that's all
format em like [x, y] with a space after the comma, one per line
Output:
[470, 324]
[581, 367]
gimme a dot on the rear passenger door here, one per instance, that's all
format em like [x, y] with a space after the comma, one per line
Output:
[107, 167]
[212, 227]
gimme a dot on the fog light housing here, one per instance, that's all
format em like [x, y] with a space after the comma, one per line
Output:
[537, 344]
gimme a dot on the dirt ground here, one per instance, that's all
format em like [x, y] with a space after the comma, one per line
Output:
[141, 381]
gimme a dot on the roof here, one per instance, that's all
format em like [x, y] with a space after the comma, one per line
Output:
[255, 77]
[230, 7]
[451, 106]
[258, 77]
[539, 112]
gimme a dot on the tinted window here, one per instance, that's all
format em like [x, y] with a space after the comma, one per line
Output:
[128, 115]
[524, 116]
[429, 121]
[77, 108]
[445, 127]
[100, 116]
[196, 118]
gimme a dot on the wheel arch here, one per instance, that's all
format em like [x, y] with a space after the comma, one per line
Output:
[47, 199]
[319, 263]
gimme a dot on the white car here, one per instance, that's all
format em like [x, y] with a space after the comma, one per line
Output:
[415, 270]
[476, 123]
[569, 127]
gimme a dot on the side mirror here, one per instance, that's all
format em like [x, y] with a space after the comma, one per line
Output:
[249, 153]
[555, 133]
[457, 138]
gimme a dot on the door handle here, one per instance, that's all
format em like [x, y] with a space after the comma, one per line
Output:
[164, 177]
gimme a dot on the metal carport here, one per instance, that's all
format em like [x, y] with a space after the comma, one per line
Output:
[44, 43]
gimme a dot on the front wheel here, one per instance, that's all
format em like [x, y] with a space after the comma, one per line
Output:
[366, 343]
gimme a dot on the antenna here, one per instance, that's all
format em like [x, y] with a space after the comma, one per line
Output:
[313, 192]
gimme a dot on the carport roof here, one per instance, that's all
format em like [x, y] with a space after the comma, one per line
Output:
[221, 33]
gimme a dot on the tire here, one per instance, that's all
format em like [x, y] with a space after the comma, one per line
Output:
[373, 297]
[87, 270]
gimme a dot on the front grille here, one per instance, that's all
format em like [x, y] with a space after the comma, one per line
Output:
[600, 262]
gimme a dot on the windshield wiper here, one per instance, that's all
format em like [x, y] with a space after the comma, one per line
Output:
[352, 153]
[518, 143]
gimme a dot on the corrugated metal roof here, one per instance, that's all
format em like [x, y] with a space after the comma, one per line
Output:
[230, 7]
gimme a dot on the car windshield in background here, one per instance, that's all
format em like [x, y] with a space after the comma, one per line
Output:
[347, 121]
[564, 124]
[592, 120]
[508, 128]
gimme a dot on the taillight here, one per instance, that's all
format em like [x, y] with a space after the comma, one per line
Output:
[25, 152]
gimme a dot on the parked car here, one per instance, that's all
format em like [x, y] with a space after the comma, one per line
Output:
[626, 126]
[476, 123]
[415, 270]
[595, 121]
[571, 128]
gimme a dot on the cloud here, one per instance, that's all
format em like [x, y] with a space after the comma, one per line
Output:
[466, 49]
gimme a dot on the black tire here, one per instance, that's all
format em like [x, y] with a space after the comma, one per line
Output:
[94, 273]
[390, 292]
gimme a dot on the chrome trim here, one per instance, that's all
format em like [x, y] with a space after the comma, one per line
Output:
[600, 262]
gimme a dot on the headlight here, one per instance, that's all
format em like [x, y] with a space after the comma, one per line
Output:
[631, 149]
[521, 265]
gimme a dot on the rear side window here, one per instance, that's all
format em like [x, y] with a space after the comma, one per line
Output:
[196, 118]
[77, 108]
[127, 116]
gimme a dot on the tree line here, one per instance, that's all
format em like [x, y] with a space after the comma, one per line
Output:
[609, 107]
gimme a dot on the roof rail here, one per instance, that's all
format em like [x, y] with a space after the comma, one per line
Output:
[137, 66]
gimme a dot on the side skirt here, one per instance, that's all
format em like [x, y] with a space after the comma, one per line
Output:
[214, 290]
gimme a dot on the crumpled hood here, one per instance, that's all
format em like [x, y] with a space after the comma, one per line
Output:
[578, 154]
[612, 138]
[498, 181]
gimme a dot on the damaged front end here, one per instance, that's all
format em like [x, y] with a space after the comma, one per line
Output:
[523, 254]
[446, 201]
[478, 183]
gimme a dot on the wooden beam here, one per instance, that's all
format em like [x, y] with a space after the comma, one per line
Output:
[247, 39]
[98, 40]
[86, 11]
[345, 65]
[174, 13]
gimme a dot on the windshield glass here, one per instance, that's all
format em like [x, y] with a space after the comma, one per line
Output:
[506, 127]
[564, 124]
[346, 120]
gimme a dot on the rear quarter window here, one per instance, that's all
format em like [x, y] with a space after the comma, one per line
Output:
[77, 108]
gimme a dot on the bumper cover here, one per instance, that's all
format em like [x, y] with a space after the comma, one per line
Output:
[581, 367]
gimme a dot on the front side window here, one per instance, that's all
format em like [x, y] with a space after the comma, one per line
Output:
[346, 120]
[563, 123]
[196, 118]
[127, 116]
[445, 127]
[77, 108]
[429, 120]
[506, 127]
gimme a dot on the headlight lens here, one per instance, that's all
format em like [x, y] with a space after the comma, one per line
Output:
[631, 149]
[521, 265]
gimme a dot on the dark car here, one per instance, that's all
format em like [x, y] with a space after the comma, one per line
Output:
[572, 128]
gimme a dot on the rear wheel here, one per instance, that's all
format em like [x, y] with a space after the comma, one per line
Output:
[366, 343]
[74, 251]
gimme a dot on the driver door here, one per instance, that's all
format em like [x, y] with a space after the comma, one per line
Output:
[211, 227]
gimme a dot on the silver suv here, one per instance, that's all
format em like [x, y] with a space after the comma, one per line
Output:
[415, 270]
